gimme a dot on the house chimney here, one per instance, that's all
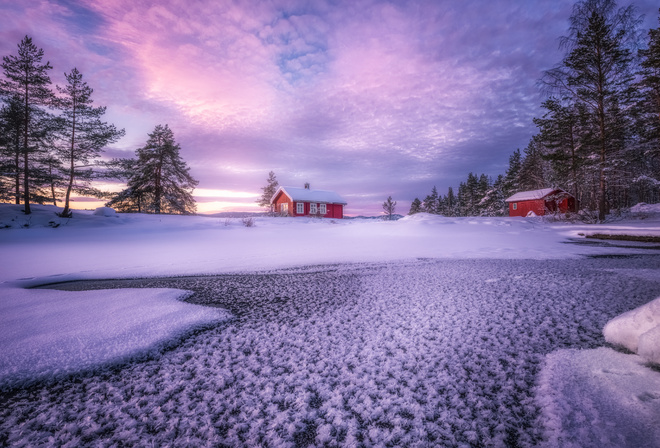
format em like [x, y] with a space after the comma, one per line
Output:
[306, 185]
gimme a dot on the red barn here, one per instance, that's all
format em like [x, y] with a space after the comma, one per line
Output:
[294, 201]
[540, 202]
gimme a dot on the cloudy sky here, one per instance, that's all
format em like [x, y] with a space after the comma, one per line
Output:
[368, 98]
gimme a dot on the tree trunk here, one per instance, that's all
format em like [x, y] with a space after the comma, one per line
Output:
[17, 161]
[52, 185]
[26, 170]
[69, 187]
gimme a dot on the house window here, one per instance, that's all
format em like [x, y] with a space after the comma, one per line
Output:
[312, 209]
[515, 206]
[323, 210]
[300, 208]
[284, 208]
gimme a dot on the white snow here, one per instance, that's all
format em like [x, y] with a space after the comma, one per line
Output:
[108, 212]
[45, 333]
[43, 248]
[530, 195]
[309, 195]
[643, 207]
[630, 330]
[599, 398]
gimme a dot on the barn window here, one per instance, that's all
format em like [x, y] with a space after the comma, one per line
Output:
[323, 210]
[300, 208]
[312, 209]
[284, 208]
[515, 206]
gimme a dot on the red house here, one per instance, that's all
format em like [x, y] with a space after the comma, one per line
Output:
[540, 202]
[294, 201]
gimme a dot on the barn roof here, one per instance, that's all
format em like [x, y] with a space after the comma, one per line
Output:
[535, 194]
[307, 195]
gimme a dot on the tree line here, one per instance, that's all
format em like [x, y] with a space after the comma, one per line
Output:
[51, 142]
[599, 136]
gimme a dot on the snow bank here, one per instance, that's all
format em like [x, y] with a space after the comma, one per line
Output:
[108, 212]
[643, 207]
[46, 333]
[630, 330]
[599, 398]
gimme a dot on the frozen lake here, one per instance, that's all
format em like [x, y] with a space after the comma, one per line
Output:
[426, 353]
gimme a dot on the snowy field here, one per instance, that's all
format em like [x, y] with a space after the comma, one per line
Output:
[427, 331]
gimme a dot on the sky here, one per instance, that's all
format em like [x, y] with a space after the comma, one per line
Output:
[366, 98]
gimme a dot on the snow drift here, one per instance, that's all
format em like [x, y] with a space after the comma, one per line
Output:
[637, 330]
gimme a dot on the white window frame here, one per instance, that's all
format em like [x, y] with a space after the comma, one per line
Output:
[300, 208]
[312, 208]
[284, 208]
[515, 206]
[323, 209]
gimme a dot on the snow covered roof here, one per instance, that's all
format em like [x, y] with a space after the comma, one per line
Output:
[309, 195]
[534, 194]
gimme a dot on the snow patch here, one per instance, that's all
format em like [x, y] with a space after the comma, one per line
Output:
[108, 212]
[47, 333]
[627, 329]
[598, 398]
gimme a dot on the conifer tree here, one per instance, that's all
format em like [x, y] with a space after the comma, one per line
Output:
[492, 204]
[26, 78]
[532, 169]
[268, 191]
[159, 180]
[511, 183]
[565, 136]
[648, 119]
[83, 133]
[596, 72]
[11, 121]
[450, 203]
[415, 206]
[430, 204]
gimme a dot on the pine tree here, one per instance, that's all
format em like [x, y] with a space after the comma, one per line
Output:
[533, 167]
[492, 203]
[389, 207]
[648, 120]
[26, 78]
[415, 206]
[596, 72]
[268, 192]
[83, 133]
[11, 121]
[430, 204]
[450, 203]
[565, 135]
[159, 181]
[511, 183]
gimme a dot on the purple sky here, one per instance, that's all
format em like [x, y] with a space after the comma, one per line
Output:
[367, 98]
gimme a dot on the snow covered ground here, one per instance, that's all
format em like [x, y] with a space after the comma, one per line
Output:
[444, 343]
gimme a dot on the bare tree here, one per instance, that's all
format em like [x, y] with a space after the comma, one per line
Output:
[389, 207]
